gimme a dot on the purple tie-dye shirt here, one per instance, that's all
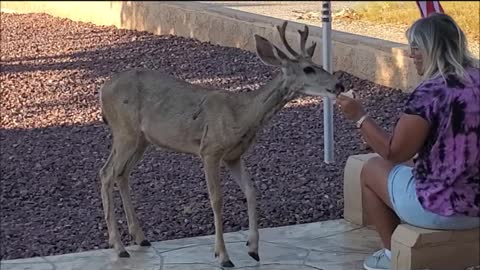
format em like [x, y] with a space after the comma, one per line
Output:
[447, 168]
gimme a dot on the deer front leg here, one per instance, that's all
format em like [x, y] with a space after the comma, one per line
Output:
[242, 177]
[211, 167]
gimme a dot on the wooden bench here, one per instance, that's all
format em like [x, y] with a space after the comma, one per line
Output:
[413, 248]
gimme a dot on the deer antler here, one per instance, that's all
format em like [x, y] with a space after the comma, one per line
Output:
[281, 31]
[303, 40]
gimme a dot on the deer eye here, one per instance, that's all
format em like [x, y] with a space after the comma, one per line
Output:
[309, 70]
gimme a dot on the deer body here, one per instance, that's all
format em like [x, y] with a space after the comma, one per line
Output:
[144, 107]
[173, 114]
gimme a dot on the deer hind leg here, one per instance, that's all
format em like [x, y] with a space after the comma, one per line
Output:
[107, 180]
[243, 179]
[134, 227]
[125, 152]
[212, 167]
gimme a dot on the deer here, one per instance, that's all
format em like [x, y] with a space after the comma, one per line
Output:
[145, 107]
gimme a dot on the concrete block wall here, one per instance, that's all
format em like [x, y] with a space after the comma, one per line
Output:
[380, 61]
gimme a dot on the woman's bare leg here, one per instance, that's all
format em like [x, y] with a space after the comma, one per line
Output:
[377, 200]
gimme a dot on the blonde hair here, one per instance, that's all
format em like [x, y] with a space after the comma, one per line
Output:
[443, 46]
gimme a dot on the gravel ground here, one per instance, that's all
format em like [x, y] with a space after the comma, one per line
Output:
[53, 142]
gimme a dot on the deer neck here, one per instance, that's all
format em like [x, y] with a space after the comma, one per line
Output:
[269, 99]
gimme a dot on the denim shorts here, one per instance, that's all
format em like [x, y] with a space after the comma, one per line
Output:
[403, 196]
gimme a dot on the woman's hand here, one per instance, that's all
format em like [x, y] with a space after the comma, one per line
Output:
[351, 108]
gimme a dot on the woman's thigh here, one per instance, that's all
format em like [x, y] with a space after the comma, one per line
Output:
[403, 197]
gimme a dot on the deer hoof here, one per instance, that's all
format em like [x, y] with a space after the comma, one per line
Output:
[123, 254]
[248, 243]
[216, 254]
[254, 255]
[145, 243]
[228, 264]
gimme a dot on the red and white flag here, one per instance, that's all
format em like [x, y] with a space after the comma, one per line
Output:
[428, 7]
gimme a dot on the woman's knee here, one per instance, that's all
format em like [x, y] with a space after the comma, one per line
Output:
[370, 170]
[374, 176]
[375, 171]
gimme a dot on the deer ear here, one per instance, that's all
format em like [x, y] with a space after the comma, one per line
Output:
[268, 53]
[311, 49]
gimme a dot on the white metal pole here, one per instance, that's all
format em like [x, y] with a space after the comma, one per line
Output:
[327, 65]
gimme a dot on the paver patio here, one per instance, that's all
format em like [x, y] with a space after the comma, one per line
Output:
[328, 245]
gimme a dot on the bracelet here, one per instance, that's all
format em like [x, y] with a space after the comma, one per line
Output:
[360, 121]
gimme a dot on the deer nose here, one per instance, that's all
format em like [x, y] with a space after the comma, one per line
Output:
[339, 88]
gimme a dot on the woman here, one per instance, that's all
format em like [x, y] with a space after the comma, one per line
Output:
[441, 190]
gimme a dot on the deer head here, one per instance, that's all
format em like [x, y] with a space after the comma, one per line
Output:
[301, 73]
